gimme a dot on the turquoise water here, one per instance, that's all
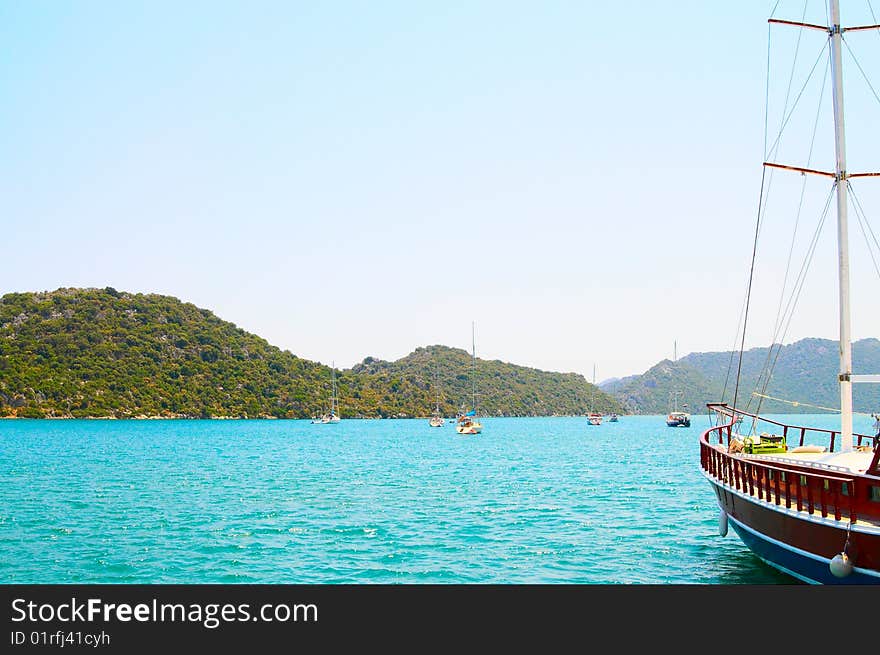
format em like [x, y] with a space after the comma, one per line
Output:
[530, 500]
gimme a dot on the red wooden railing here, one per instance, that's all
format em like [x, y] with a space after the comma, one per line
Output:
[830, 493]
[830, 435]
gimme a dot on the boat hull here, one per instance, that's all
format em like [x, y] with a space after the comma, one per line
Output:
[797, 543]
[469, 429]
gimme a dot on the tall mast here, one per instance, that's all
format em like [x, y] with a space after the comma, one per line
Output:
[593, 392]
[674, 390]
[842, 234]
[333, 403]
[436, 390]
[474, 374]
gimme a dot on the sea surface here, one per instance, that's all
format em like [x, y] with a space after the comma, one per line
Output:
[530, 500]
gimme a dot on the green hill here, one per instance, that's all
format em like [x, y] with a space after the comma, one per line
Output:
[105, 353]
[805, 372]
[502, 388]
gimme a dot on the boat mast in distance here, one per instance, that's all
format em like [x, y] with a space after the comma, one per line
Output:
[593, 418]
[467, 422]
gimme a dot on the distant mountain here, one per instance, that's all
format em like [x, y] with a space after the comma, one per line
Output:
[106, 353]
[805, 373]
[502, 388]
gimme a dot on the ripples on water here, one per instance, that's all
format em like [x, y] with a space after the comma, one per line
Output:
[531, 500]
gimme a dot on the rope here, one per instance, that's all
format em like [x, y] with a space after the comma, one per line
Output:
[793, 300]
[762, 198]
[796, 403]
[742, 346]
[872, 15]
[862, 71]
[787, 117]
[797, 220]
[864, 224]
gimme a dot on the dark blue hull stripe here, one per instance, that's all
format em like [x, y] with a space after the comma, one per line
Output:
[797, 563]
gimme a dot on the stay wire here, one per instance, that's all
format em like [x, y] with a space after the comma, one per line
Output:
[865, 227]
[779, 338]
[862, 71]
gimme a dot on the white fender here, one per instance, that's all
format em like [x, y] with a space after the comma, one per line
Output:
[840, 566]
[722, 523]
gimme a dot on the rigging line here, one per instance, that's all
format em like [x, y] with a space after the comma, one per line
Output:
[762, 207]
[797, 100]
[796, 292]
[794, 59]
[733, 351]
[767, 88]
[858, 205]
[863, 225]
[873, 16]
[765, 198]
[861, 70]
[800, 201]
[802, 275]
[749, 290]
[797, 403]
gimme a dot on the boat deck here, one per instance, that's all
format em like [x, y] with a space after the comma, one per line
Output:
[853, 462]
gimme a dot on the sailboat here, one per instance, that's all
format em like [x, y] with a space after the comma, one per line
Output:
[332, 416]
[437, 418]
[677, 418]
[593, 418]
[467, 422]
[804, 499]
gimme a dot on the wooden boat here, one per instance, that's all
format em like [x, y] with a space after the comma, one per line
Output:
[798, 499]
[806, 500]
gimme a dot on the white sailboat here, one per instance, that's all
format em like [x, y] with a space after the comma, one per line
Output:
[437, 418]
[467, 423]
[593, 418]
[332, 416]
[677, 418]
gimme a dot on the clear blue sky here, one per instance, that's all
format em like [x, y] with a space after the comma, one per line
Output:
[352, 179]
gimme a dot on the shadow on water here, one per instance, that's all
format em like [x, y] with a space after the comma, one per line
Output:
[745, 568]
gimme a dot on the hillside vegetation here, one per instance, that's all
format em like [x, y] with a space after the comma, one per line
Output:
[501, 388]
[805, 373]
[105, 353]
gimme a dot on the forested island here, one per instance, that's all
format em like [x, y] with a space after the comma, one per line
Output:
[103, 353]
